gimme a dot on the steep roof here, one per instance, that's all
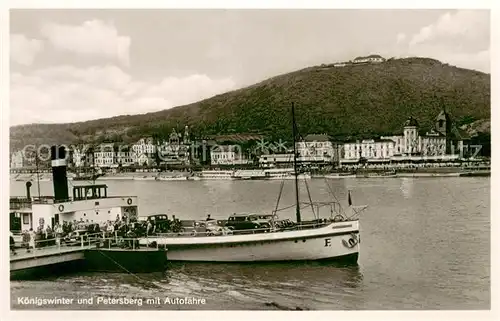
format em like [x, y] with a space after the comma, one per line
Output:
[411, 122]
[444, 115]
[317, 138]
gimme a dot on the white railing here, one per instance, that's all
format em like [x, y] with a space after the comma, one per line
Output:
[40, 246]
[194, 233]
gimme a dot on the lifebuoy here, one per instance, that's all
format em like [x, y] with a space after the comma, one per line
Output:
[193, 233]
[129, 201]
[351, 242]
[61, 208]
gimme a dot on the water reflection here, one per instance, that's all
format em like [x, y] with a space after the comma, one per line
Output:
[271, 275]
[407, 187]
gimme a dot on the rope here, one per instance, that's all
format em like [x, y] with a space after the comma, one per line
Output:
[333, 195]
[310, 199]
[120, 266]
[277, 203]
[279, 195]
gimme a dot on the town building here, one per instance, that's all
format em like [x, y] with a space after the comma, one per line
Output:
[275, 160]
[175, 151]
[369, 149]
[228, 155]
[316, 149]
[78, 157]
[144, 152]
[440, 142]
[17, 160]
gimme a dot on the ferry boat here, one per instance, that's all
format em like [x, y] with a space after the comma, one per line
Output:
[87, 204]
[217, 174]
[145, 178]
[249, 174]
[172, 178]
[379, 174]
[340, 175]
[259, 239]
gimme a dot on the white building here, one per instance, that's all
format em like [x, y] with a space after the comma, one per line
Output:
[370, 149]
[176, 150]
[125, 158]
[144, 152]
[432, 143]
[369, 59]
[227, 155]
[104, 157]
[275, 160]
[17, 160]
[78, 157]
[316, 148]
[438, 143]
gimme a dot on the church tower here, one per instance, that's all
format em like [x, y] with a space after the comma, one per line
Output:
[443, 123]
[443, 126]
[410, 133]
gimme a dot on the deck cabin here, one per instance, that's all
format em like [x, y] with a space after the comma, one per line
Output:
[89, 204]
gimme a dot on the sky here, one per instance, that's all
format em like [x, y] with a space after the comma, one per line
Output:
[77, 65]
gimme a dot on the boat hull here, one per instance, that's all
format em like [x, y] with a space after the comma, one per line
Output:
[334, 241]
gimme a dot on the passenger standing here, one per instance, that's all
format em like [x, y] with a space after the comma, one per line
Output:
[12, 244]
[32, 238]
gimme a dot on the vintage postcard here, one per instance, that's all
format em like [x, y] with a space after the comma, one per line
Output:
[322, 159]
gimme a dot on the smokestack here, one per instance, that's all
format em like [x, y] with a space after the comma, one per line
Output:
[28, 192]
[59, 177]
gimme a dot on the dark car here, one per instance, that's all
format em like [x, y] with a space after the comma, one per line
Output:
[260, 222]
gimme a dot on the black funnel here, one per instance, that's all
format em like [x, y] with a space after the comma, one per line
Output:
[28, 192]
[59, 176]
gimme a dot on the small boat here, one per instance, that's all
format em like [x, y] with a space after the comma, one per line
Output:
[145, 178]
[217, 175]
[246, 174]
[284, 173]
[86, 177]
[379, 175]
[171, 178]
[340, 175]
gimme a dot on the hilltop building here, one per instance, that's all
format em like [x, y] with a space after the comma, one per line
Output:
[368, 59]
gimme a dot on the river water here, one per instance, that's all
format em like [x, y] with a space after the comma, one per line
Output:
[425, 245]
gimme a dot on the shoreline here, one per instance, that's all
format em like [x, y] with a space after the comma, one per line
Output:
[405, 173]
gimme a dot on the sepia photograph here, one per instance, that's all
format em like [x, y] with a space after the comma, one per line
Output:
[249, 159]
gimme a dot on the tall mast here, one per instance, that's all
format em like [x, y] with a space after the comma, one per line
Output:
[296, 173]
[37, 174]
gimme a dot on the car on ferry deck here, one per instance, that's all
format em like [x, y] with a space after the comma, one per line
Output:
[261, 222]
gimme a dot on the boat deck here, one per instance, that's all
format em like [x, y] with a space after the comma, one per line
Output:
[22, 254]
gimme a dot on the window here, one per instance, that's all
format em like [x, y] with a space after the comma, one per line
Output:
[26, 218]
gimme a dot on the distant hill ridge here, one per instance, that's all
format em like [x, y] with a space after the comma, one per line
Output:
[353, 101]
